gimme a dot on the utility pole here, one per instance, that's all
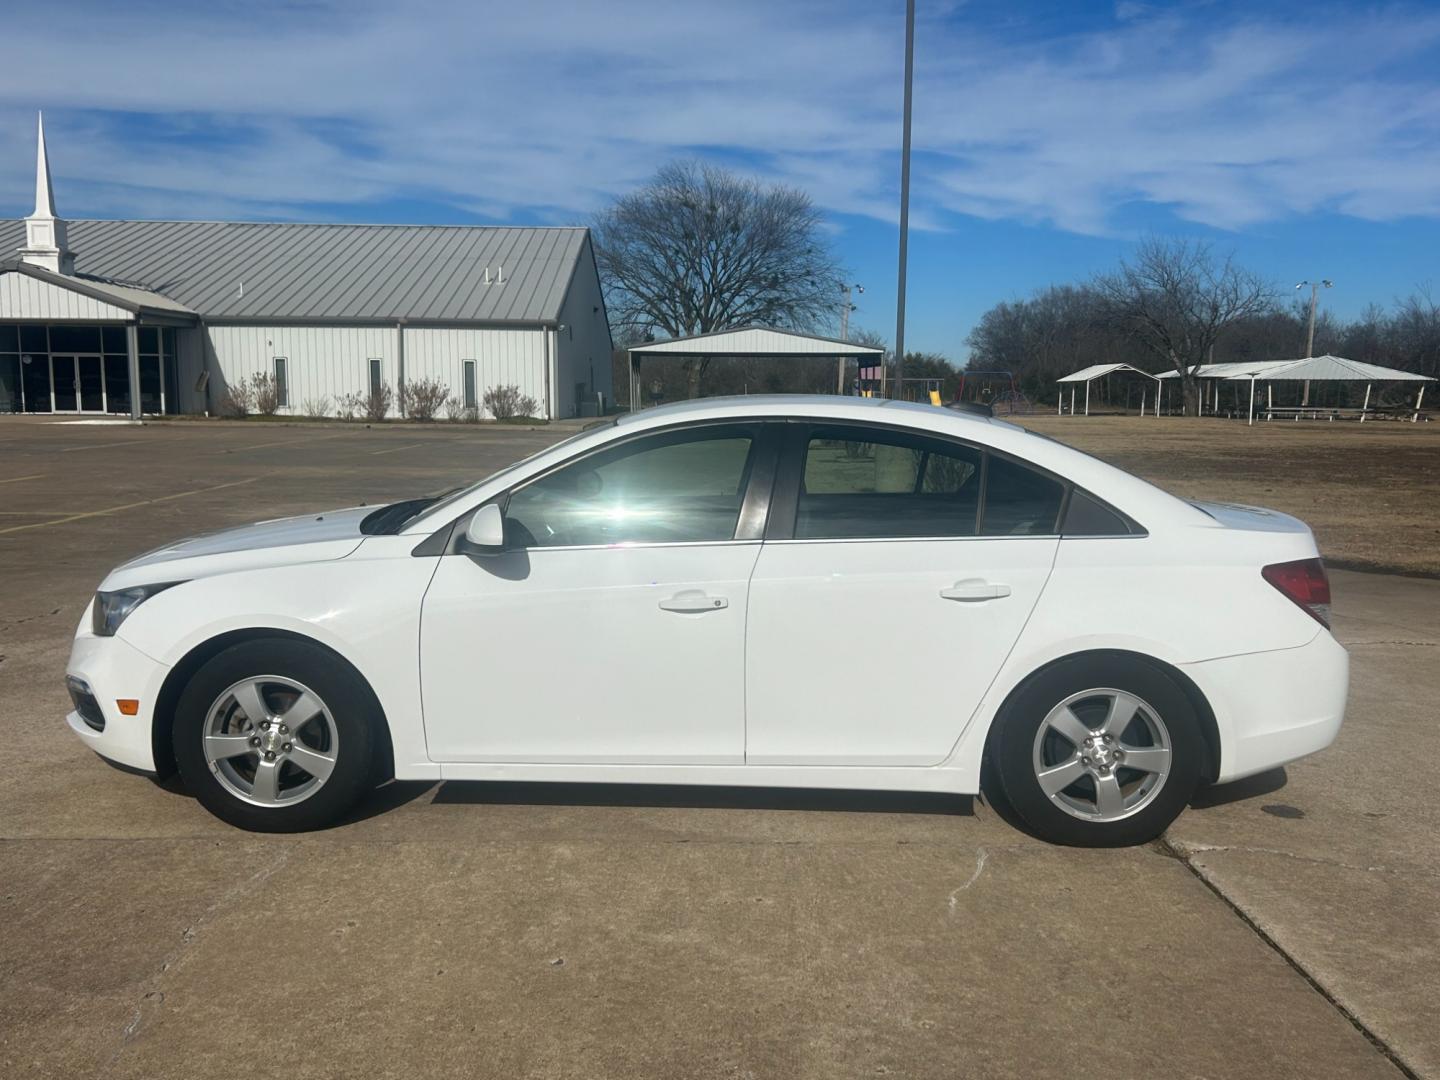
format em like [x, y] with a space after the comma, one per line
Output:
[845, 308]
[899, 388]
[1315, 287]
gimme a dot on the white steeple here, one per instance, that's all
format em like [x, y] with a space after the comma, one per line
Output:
[45, 239]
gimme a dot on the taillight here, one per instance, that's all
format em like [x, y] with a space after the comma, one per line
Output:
[1304, 582]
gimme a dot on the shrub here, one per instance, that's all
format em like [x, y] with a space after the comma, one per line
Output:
[458, 413]
[508, 403]
[316, 408]
[348, 406]
[265, 393]
[236, 401]
[378, 402]
[421, 399]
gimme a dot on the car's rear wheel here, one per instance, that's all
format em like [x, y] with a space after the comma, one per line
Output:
[1099, 752]
[274, 735]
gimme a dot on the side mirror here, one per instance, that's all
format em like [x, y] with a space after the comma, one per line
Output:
[485, 535]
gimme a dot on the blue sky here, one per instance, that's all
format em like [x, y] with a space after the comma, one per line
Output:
[1048, 136]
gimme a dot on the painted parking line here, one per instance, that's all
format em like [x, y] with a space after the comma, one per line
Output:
[17, 479]
[126, 506]
[284, 442]
[397, 449]
[106, 445]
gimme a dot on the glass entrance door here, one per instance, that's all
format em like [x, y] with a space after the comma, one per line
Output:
[90, 381]
[77, 383]
[64, 389]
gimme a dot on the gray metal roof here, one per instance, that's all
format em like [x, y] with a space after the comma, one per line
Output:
[121, 295]
[331, 272]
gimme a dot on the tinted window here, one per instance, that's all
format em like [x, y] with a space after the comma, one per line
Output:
[65, 339]
[470, 398]
[886, 484]
[1087, 516]
[671, 488]
[1019, 501]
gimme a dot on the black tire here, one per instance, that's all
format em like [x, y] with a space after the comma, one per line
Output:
[1013, 746]
[350, 707]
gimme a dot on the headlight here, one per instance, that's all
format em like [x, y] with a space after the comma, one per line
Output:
[113, 608]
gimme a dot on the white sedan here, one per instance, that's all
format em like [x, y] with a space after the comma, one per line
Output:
[789, 592]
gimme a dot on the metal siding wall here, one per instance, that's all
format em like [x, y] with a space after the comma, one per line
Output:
[189, 363]
[325, 361]
[502, 358]
[24, 297]
[587, 341]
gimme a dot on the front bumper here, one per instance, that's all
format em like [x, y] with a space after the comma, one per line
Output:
[1275, 707]
[113, 669]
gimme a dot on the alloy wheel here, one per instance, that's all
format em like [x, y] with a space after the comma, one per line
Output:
[1102, 755]
[270, 740]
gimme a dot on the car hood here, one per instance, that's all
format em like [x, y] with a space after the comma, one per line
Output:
[284, 541]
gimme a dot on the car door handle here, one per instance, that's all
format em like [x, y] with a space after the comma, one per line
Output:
[973, 591]
[693, 602]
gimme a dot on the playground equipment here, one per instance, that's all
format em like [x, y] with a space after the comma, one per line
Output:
[996, 389]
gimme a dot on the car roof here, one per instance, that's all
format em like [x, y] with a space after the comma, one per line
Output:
[826, 405]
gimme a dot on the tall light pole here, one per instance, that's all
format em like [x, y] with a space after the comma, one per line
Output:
[845, 308]
[1315, 287]
[899, 388]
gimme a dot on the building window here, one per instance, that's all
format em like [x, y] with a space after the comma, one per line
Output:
[471, 401]
[282, 382]
[377, 375]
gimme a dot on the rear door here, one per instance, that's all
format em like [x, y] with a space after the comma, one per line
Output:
[897, 573]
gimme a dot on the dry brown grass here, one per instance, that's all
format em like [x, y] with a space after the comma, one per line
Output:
[1370, 491]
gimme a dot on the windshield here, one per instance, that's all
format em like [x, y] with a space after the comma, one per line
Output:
[438, 504]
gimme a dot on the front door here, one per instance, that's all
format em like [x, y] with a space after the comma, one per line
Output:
[64, 386]
[880, 617]
[612, 629]
[77, 383]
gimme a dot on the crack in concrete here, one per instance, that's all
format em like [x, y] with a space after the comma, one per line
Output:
[153, 998]
[1186, 849]
[1165, 847]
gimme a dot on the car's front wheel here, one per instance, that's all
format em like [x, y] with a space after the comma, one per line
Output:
[275, 735]
[1099, 752]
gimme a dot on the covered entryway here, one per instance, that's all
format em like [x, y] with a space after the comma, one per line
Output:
[72, 344]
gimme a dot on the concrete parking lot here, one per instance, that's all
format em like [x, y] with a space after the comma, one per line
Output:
[1287, 927]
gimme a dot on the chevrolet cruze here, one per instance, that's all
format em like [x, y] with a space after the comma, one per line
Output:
[789, 592]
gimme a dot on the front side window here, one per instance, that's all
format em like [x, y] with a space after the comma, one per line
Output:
[377, 376]
[676, 487]
[874, 484]
[282, 382]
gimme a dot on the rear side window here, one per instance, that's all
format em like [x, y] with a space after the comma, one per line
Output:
[1019, 501]
[1086, 515]
[873, 484]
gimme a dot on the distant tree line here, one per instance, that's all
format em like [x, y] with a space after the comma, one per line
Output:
[1175, 304]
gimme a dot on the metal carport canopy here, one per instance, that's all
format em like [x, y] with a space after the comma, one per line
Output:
[1330, 368]
[1087, 375]
[749, 341]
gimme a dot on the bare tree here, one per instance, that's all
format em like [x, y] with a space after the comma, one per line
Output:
[700, 249]
[1177, 299]
[1416, 331]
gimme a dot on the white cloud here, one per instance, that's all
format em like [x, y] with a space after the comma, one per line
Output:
[268, 109]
